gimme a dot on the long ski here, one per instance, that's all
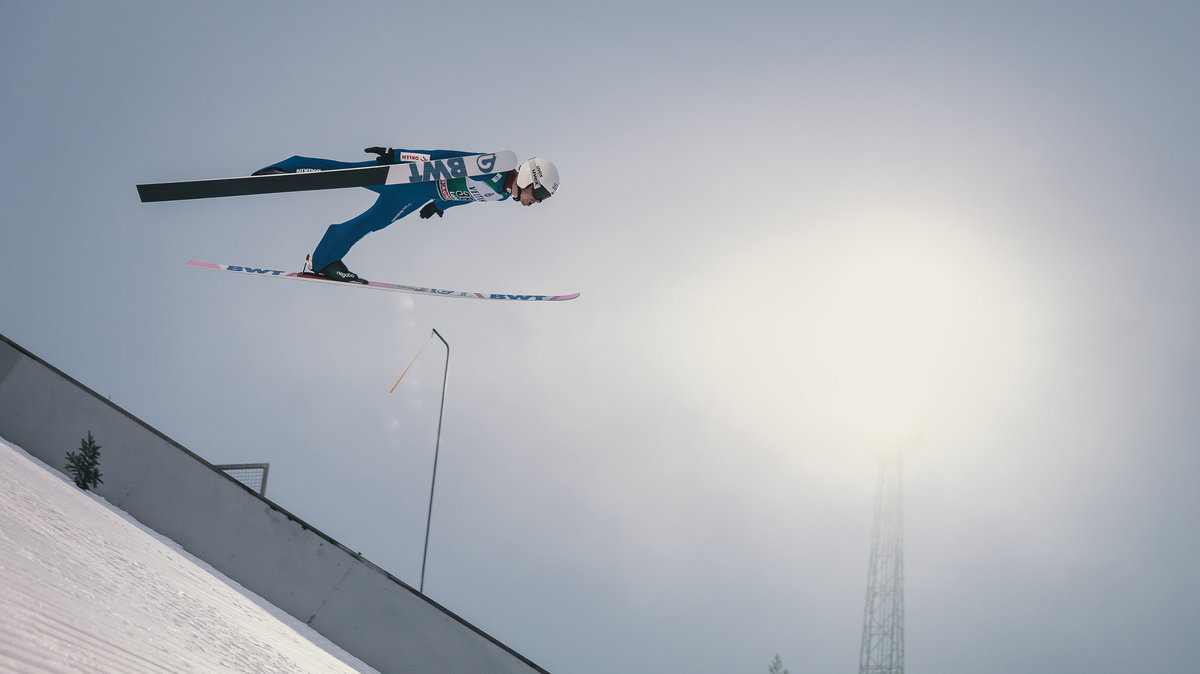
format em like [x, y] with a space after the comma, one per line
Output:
[366, 176]
[376, 285]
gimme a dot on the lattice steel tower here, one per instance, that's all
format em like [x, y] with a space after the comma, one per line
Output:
[883, 618]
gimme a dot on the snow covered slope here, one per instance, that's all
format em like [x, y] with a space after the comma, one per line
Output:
[85, 588]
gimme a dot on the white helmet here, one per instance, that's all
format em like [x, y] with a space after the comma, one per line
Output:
[540, 173]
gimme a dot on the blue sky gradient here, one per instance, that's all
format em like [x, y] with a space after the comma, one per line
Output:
[797, 228]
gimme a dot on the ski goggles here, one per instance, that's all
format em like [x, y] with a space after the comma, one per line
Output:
[540, 193]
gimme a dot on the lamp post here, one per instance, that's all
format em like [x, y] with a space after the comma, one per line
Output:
[436, 448]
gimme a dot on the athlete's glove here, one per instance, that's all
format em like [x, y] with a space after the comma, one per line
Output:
[429, 209]
[386, 155]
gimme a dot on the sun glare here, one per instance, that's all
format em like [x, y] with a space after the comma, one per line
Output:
[873, 334]
[891, 322]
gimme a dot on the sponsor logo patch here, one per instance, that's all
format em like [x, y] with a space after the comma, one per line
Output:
[437, 169]
[254, 270]
[486, 162]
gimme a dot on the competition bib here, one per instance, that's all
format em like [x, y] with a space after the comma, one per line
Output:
[482, 188]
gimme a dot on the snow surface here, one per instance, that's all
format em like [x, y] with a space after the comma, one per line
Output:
[86, 588]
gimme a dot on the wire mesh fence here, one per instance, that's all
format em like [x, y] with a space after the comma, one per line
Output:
[253, 475]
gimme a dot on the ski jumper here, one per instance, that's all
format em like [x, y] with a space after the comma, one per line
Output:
[396, 201]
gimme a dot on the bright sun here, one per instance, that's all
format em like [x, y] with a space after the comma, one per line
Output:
[892, 320]
[867, 333]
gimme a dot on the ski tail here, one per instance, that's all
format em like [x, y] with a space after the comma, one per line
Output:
[363, 176]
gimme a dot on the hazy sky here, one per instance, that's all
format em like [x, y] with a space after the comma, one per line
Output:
[796, 228]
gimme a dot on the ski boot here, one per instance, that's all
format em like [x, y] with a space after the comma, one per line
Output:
[334, 271]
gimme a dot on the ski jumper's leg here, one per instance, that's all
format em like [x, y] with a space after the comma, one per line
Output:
[394, 202]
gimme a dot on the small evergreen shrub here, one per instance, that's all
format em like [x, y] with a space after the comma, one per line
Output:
[84, 465]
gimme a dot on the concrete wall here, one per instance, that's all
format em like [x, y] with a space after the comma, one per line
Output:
[355, 604]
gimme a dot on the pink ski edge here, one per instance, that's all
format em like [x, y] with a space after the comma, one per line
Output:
[206, 265]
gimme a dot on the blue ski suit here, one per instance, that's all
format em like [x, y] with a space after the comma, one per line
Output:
[394, 201]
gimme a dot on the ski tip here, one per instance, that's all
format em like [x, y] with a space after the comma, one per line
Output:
[206, 265]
